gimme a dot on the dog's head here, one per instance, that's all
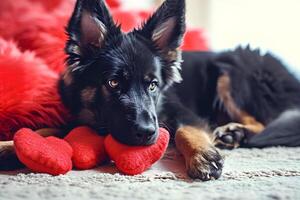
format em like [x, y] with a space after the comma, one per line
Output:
[113, 79]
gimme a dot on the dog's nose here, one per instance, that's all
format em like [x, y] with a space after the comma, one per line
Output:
[145, 133]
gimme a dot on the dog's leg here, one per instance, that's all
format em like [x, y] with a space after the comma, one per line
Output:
[193, 139]
[233, 134]
[8, 158]
[201, 157]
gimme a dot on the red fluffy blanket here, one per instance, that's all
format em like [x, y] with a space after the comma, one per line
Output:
[32, 40]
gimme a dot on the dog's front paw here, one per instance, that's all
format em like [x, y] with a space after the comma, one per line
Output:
[229, 136]
[205, 164]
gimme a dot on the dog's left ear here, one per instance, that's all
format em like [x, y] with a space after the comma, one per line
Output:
[89, 28]
[166, 27]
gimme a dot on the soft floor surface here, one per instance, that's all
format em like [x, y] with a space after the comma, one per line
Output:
[272, 173]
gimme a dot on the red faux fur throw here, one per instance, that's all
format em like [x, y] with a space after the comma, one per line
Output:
[32, 39]
[29, 96]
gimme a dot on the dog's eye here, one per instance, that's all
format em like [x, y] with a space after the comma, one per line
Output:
[113, 83]
[153, 85]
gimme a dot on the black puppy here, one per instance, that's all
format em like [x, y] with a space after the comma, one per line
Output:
[116, 82]
[129, 84]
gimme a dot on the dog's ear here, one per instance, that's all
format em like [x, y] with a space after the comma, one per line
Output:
[166, 26]
[89, 27]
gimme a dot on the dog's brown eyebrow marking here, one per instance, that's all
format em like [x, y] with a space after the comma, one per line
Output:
[224, 95]
[148, 78]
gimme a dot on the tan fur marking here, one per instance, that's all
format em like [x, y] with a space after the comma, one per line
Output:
[224, 94]
[202, 159]
[7, 151]
[173, 54]
[6, 145]
[190, 140]
[251, 124]
[88, 95]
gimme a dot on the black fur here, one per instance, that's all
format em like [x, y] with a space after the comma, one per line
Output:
[260, 85]
[9, 161]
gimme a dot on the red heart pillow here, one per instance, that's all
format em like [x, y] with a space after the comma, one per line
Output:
[54, 156]
[46, 155]
[134, 160]
[88, 147]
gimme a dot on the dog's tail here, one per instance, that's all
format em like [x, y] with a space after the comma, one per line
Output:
[284, 131]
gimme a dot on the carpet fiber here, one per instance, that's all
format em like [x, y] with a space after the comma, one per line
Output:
[272, 173]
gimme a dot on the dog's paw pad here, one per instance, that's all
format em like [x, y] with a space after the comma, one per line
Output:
[229, 136]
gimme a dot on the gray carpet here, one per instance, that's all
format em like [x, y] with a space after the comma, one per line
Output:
[272, 173]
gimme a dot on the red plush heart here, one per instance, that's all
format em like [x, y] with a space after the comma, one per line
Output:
[134, 160]
[88, 147]
[47, 155]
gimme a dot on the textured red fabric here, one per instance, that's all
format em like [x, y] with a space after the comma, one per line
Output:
[88, 147]
[45, 35]
[113, 3]
[29, 96]
[127, 18]
[195, 40]
[13, 15]
[46, 155]
[49, 5]
[37, 29]
[130, 19]
[134, 160]
[145, 14]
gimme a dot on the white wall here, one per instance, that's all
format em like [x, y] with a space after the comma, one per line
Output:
[270, 24]
[138, 4]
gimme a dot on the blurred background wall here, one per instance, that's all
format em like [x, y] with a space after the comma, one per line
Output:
[272, 25]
